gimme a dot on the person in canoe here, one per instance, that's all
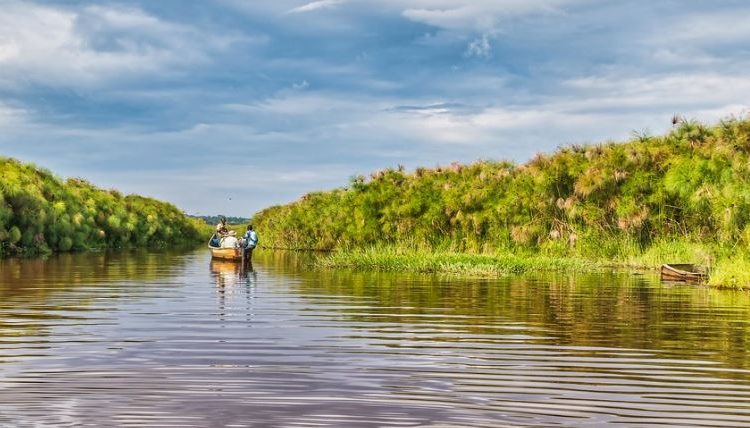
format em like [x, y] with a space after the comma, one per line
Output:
[221, 232]
[249, 242]
[221, 227]
[230, 240]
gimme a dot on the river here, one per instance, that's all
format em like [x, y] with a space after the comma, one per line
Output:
[171, 339]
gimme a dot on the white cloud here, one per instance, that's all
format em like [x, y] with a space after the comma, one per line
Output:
[56, 46]
[585, 109]
[474, 15]
[463, 15]
[10, 117]
[686, 56]
[316, 5]
[480, 48]
[695, 90]
[728, 26]
[594, 108]
[304, 84]
[296, 103]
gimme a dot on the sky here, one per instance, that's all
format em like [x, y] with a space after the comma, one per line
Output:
[230, 106]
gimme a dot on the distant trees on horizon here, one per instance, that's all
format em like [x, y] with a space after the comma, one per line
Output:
[214, 219]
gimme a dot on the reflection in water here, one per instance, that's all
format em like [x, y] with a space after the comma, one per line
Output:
[36, 293]
[229, 277]
[175, 340]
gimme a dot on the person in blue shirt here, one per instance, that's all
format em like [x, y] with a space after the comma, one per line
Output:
[250, 241]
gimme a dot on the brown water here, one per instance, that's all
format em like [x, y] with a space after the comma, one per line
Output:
[170, 339]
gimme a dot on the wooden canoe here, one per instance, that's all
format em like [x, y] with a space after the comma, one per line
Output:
[232, 254]
[681, 272]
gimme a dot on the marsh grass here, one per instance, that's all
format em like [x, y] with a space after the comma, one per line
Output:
[408, 260]
[727, 269]
[731, 272]
[676, 251]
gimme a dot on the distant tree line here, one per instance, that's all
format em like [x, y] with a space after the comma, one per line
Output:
[40, 213]
[214, 219]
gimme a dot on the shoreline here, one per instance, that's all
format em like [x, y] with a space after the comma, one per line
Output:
[726, 272]
[420, 261]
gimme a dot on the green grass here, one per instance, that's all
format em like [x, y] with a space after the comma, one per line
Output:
[675, 251]
[731, 272]
[727, 269]
[392, 259]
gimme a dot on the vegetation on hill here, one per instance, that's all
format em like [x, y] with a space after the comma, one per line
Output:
[684, 195]
[39, 213]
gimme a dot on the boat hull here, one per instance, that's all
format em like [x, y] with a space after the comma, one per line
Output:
[231, 254]
[681, 273]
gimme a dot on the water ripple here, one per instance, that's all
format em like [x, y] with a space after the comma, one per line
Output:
[169, 339]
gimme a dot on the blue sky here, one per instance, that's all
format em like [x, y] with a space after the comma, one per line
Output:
[228, 106]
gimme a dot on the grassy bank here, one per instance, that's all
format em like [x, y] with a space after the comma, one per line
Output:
[680, 197]
[41, 214]
[728, 271]
[394, 259]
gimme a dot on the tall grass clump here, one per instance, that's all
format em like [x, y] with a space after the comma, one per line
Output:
[732, 271]
[409, 260]
[40, 213]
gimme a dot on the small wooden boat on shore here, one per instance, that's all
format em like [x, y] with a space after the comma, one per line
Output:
[682, 273]
[232, 254]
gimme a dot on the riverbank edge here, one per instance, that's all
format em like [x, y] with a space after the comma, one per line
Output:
[25, 253]
[726, 272]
